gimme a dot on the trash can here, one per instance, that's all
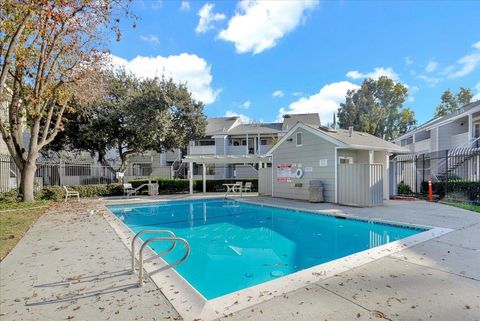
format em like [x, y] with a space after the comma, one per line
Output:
[153, 189]
[315, 191]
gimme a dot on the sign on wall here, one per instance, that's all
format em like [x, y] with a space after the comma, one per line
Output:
[284, 173]
[323, 163]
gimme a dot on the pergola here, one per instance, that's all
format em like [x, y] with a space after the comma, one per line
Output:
[220, 159]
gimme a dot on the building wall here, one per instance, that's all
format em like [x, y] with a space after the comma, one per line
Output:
[309, 154]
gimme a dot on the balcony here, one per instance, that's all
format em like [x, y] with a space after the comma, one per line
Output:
[423, 146]
[236, 150]
[202, 150]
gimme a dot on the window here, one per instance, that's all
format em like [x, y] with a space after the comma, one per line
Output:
[263, 142]
[299, 139]
[477, 130]
[345, 160]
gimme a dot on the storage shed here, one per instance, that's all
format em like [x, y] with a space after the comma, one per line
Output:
[353, 166]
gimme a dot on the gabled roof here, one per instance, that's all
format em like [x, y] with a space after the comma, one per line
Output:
[261, 128]
[343, 139]
[232, 125]
[442, 119]
[290, 120]
[220, 125]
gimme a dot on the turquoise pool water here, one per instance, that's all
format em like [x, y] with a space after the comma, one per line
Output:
[235, 245]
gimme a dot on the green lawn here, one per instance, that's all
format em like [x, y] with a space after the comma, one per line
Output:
[15, 223]
[470, 207]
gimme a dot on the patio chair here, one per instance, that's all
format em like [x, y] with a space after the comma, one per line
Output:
[71, 193]
[247, 187]
[128, 189]
[240, 186]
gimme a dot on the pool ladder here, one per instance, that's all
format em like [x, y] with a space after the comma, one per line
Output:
[170, 238]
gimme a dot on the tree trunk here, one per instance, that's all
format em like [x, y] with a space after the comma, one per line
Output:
[27, 181]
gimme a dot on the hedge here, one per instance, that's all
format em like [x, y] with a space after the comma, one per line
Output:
[57, 192]
[470, 190]
[171, 186]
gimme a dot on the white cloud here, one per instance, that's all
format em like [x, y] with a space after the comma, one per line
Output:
[325, 102]
[243, 118]
[151, 39]
[477, 88]
[408, 61]
[246, 104]
[431, 81]
[413, 90]
[188, 68]
[185, 6]
[410, 99]
[431, 66]
[375, 74]
[207, 18]
[465, 65]
[258, 25]
[278, 93]
[297, 93]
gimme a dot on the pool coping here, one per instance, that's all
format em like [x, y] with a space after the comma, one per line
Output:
[192, 305]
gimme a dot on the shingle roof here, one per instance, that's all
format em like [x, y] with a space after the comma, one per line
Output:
[437, 120]
[264, 128]
[290, 120]
[220, 125]
[359, 139]
[232, 126]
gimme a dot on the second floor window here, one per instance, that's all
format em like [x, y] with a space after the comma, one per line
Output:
[299, 139]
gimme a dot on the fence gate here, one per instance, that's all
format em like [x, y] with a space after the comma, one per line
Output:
[265, 181]
[360, 184]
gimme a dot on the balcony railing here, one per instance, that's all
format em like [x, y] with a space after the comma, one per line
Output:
[202, 150]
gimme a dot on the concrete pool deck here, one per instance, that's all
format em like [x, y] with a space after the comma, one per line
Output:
[72, 266]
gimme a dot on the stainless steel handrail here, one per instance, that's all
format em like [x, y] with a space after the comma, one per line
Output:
[150, 231]
[140, 254]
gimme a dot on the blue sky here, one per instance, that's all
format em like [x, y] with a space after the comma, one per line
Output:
[261, 59]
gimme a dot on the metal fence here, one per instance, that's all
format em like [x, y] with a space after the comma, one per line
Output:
[455, 174]
[75, 173]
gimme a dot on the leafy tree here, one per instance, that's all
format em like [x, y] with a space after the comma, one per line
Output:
[464, 96]
[450, 102]
[133, 117]
[377, 108]
[48, 50]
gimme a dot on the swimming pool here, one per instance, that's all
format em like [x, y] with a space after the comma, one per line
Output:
[236, 245]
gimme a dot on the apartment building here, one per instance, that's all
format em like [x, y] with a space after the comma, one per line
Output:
[228, 136]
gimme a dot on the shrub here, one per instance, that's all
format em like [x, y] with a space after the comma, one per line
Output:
[95, 190]
[467, 189]
[404, 188]
[171, 186]
[10, 197]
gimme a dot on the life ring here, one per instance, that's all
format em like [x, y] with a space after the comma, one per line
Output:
[299, 173]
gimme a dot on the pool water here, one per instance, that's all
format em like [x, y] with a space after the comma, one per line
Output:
[235, 245]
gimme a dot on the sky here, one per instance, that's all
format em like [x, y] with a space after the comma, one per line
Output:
[261, 59]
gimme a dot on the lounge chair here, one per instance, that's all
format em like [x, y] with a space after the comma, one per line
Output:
[246, 188]
[128, 189]
[71, 193]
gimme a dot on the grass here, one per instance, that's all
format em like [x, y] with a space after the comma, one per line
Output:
[15, 220]
[5, 205]
[465, 206]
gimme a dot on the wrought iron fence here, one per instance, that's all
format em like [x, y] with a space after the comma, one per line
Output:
[455, 174]
[75, 173]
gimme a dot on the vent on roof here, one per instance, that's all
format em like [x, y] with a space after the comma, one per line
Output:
[328, 129]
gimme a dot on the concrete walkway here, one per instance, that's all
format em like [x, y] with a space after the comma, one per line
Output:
[72, 266]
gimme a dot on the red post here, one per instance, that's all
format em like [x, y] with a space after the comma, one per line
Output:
[430, 192]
